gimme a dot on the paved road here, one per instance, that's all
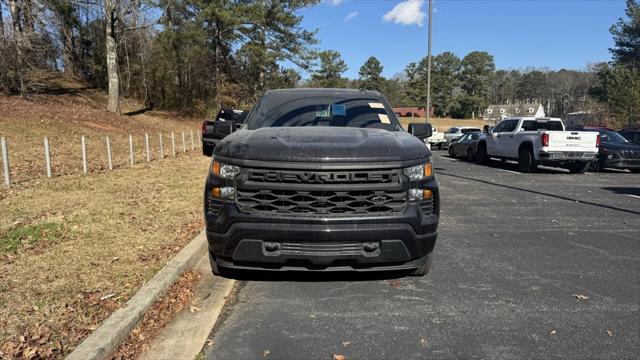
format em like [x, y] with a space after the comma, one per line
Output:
[513, 251]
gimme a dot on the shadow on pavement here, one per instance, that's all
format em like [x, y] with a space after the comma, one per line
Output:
[302, 276]
[623, 190]
[543, 193]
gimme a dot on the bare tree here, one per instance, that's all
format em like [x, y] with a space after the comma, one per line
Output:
[111, 9]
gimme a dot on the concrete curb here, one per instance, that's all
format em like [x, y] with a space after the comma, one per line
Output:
[115, 329]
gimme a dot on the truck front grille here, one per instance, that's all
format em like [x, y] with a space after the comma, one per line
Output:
[322, 202]
[630, 154]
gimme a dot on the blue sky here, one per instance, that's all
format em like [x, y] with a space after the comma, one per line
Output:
[519, 33]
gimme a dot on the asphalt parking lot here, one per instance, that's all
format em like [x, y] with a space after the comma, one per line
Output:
[527, 266]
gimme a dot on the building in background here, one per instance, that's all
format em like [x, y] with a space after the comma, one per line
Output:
[499, 112]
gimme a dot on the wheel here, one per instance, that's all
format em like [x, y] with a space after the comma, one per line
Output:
[578, 167]
[482, 157]
[439, 146]
[469, 154]
[423, 269]
[207, 150]
[596, 165]
[526, 161]
[451, 153]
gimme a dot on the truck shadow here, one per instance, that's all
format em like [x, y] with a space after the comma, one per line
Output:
[623, 190]
[555, 196]
[306, 276]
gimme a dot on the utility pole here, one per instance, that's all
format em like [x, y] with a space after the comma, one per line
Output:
[429, 64]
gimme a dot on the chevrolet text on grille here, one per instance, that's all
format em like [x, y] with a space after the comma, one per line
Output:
[320, 177]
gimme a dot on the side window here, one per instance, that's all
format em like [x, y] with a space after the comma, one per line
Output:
[500, 127]
[453, 130]
[529, 125]
[510, 125]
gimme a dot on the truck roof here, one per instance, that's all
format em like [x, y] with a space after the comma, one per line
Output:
[532, 118]
[301, 92]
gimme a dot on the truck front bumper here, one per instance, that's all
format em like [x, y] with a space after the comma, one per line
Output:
[245, 241]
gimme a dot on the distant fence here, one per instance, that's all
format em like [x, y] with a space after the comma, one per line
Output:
[190, 142]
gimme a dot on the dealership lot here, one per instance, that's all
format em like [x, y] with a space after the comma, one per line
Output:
[527, 266]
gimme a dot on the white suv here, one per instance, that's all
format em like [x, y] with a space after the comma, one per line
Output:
[456, 132]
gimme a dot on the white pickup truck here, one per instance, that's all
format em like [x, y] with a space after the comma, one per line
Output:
[436, 139]
[539, 141]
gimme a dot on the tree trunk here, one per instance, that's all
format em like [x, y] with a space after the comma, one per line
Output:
[69, 49]
[1, 23]
[113, 104]
[18, 33]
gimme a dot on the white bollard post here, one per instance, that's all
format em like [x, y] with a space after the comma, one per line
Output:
[161, 149]
[184, 143]
[110, 162]
[198, 142]
[193, 144]
[131, 158]
[146, 143]
[83, 144]
[173, 145]
[5, 161]
[47, 156]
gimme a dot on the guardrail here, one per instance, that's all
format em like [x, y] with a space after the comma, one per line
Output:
[47, 150]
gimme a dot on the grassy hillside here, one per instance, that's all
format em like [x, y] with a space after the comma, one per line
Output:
[76, 247]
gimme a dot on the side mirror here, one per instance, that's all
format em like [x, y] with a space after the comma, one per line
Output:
[420, 130]
[224, 128]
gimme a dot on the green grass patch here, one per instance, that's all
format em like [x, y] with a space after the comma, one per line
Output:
[28, 234]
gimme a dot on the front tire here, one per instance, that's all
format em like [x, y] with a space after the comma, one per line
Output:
[207, 150]
[596, 165]
[482, 157]
[578, 167]
[423, 269]
[526, 161]
[469, 155]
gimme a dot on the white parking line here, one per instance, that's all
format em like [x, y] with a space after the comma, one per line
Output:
[635, 196]
[510, 171]
[447, 158]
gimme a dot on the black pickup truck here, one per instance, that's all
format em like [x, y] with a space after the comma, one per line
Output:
[232, 118]
[322, 180]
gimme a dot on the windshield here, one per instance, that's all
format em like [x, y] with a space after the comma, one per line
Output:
[464, 131]
[612, 136]
[322, 110]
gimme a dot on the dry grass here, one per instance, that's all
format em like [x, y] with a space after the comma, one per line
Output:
[65, 118]
[76, 247]
[442, 124]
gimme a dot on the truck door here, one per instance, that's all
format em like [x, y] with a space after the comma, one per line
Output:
[508, 140]
[494, 138]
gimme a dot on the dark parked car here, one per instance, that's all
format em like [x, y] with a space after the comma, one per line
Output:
[615, 151]
[631, 133]
[466, 146]
[212, 134]
[322, 180]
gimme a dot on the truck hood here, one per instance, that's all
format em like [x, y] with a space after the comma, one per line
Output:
[321, 144]
[615, 147]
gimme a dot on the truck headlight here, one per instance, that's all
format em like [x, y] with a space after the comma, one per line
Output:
[224, 170]
[419, 171]
[420, 194]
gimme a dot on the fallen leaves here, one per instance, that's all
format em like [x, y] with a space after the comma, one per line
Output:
[395, 284]
[160, 314]
[580, 296]
[194, 309]
[266, 353]
[609, 332]
[346, 343]
[338, 357]
[424, 342]
[553, 332]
